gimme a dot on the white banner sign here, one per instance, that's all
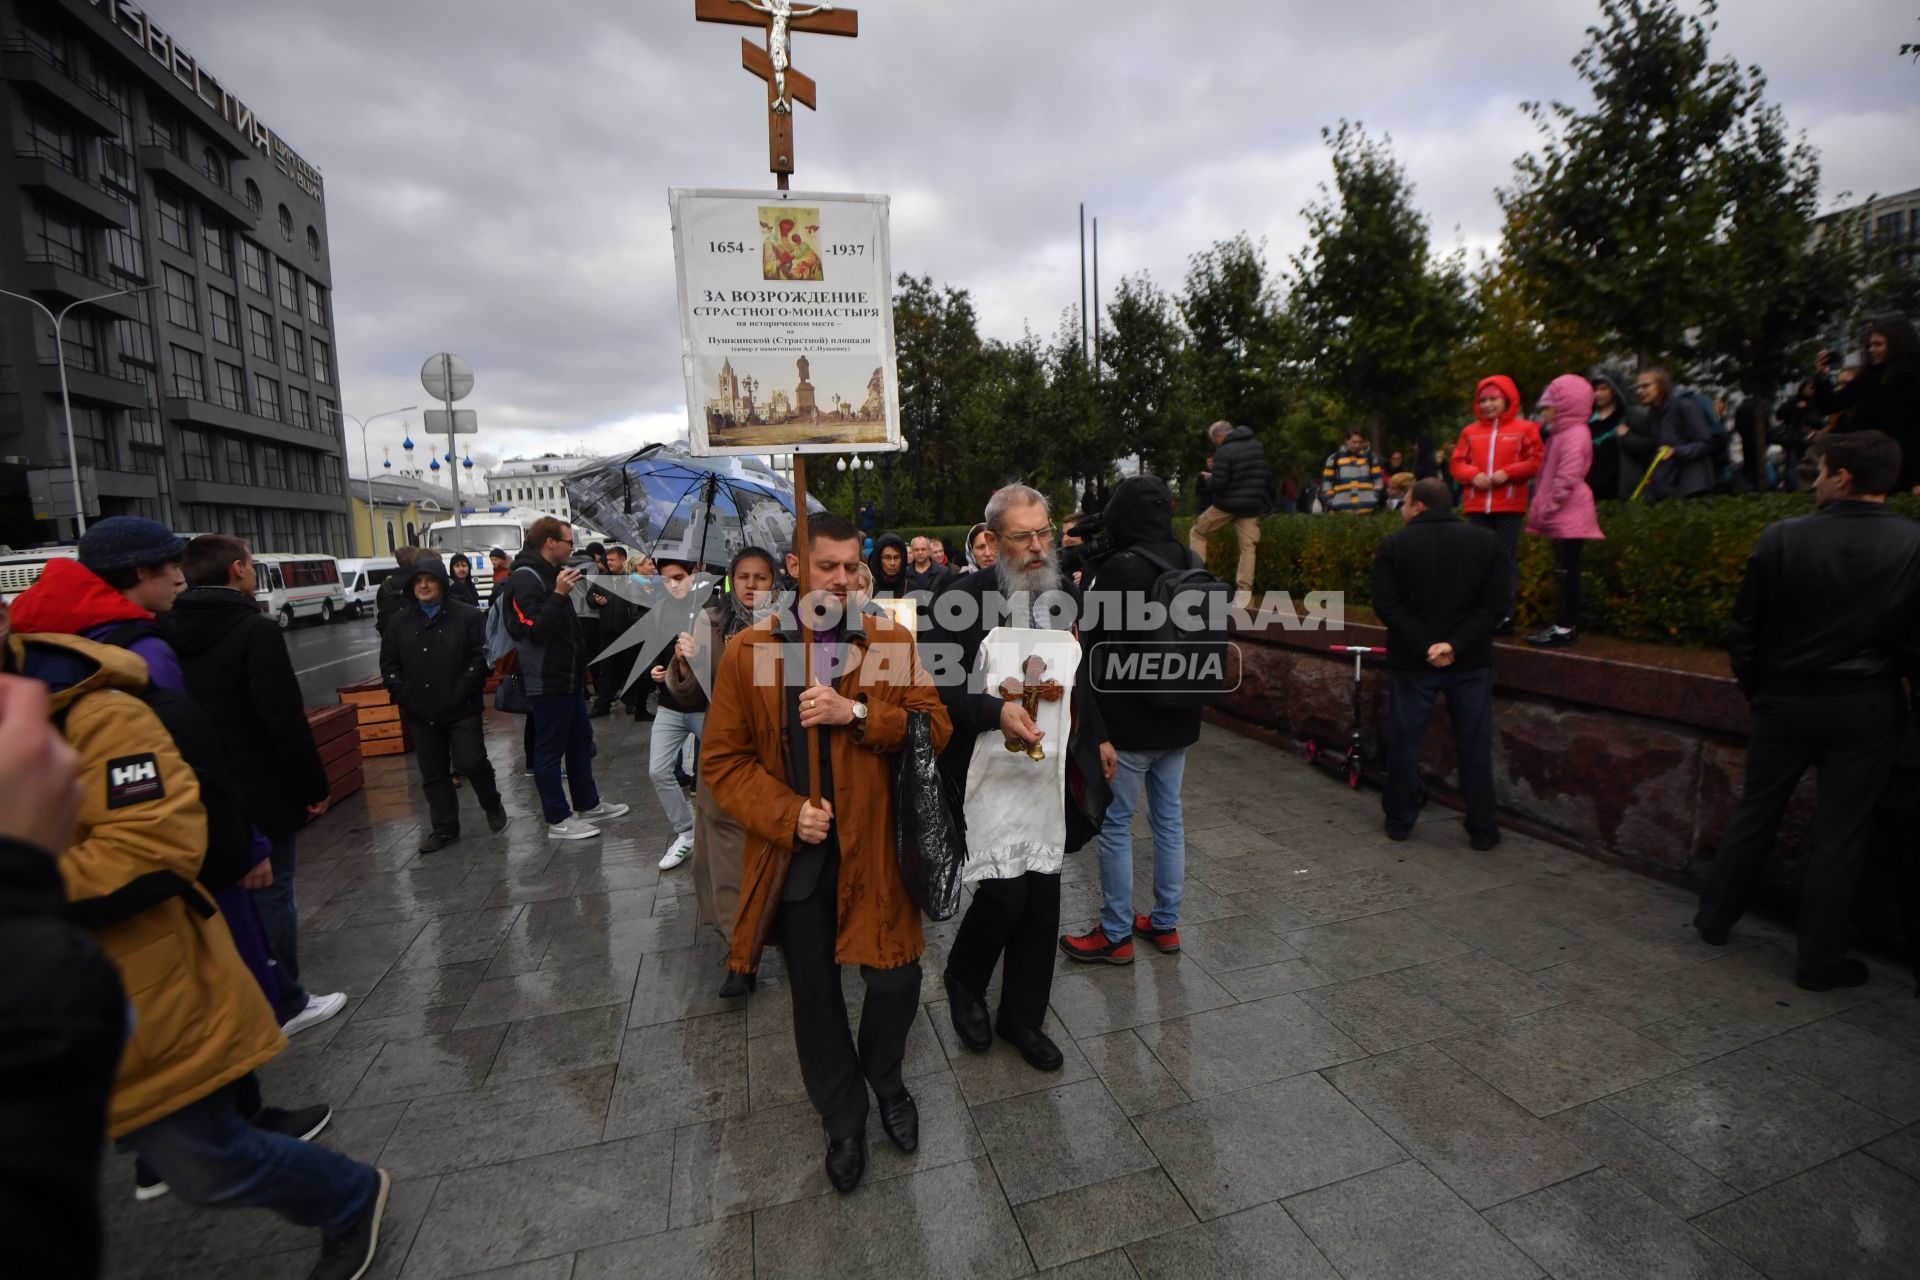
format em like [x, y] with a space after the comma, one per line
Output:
[786, 322]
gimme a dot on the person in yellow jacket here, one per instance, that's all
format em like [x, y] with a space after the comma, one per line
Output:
[198, 1020]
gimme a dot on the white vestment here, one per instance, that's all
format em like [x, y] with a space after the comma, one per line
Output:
[1015, 805]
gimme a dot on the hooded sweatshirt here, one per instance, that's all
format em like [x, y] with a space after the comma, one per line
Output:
[1605, 476]
[1508, 443]
[1562, 502]
[71, 599]
[884, 585]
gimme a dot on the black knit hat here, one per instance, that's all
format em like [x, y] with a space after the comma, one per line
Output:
[128, 542]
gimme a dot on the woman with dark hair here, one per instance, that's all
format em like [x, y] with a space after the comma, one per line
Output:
[1883, 396]
[889, 564]
[719, 841]
[461, 586]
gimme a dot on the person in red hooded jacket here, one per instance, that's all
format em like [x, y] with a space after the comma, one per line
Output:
[1495, 457]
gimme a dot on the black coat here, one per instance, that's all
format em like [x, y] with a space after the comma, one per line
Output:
[976, 712]
[237, 669]
[1242, 483]
[63, 1021]
[464, 591]
[1440, 579]
[436, 668]
[1830, 599]
[545, 629]
[1139, 517]
[1881, 400]
[387, 601]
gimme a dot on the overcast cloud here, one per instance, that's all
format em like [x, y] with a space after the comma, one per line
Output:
[496, 171]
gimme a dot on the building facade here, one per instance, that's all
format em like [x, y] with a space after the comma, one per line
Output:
[208, 401]
[535, 482]
[402, 510]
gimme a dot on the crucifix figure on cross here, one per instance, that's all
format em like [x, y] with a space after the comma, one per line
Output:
[774, 63]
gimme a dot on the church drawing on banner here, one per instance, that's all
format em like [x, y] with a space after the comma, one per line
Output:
[737, 403]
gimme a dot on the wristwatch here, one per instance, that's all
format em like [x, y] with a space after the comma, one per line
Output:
[860, 712]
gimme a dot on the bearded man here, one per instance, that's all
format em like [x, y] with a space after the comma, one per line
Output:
[1033, 770]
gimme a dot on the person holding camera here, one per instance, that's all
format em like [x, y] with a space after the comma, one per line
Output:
[547, 637]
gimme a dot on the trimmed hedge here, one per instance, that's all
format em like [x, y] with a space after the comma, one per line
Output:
[1667, 574]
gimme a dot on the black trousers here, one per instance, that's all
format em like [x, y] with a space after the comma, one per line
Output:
[1018, 918]
[837, 1070]
[1852, 739]
[462, 745]
[608, 678]
[1507, 526]
[1566, 568]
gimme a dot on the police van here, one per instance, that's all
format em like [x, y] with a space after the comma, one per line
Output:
[292, 587]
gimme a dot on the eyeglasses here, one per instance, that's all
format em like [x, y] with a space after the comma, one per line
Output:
[1040, 537]
[568, 541]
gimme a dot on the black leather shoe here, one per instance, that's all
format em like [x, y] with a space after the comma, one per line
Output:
[737, 985]
[436, 841]
[598, 712]
[1711, 936]
[1041, 1053]
[900, 1117]
[970, 1021]
[1480, 844]
[846, 1162]
[1832, 974]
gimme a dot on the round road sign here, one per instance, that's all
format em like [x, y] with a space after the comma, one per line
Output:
[446, 376]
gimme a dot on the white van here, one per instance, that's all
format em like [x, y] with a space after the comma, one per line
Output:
[299, 586]
[21, 569]
[361, 580]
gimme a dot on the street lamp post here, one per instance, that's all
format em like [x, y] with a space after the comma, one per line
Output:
[66, 405]
[373, 539]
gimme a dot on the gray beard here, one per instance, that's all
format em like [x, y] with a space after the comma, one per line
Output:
[1015, 579]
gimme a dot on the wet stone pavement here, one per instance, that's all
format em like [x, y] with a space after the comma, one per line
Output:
[1369, 1060]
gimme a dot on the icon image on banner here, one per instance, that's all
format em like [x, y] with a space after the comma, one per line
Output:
[790, 243]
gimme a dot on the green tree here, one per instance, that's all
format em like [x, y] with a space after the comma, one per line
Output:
[1371, 312]
[937, 346]
[1235, 354]
[1145, 379]
[1511, 333]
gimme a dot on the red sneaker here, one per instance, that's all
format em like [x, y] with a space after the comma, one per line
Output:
[1168, 940]
[1094, 946]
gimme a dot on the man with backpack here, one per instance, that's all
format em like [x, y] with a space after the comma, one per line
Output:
[433, 658]
[1150, 728]
[1689, 434]
[1021, 813]
[1240, 489]
[198, 1023]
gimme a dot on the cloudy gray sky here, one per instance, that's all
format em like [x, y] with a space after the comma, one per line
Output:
[497, 171]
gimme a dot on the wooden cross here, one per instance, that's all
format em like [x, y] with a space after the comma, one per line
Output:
[785, 85]
[1030, 693]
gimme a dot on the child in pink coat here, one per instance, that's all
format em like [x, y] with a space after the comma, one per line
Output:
[1562, 506]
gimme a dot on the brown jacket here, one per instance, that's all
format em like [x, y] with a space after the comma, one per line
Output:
[744, 761]
[199, 1018]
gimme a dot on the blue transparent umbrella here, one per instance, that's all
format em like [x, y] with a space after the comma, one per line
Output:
[665, 501]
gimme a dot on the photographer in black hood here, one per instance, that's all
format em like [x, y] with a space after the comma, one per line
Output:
[1120, 547]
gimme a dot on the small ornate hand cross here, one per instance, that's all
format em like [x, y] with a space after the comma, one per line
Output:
[1030, 693]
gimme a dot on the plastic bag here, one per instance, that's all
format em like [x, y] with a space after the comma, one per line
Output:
[927, 836]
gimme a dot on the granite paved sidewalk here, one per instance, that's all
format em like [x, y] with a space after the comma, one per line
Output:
[1369, 1060]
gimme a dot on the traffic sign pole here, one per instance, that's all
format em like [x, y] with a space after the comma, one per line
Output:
[447, 378]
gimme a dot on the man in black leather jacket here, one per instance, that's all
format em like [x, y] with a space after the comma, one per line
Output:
[1826, 628]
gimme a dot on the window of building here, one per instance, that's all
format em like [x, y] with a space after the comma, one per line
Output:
[294, 343]
[330, 479]
[239, 460]
[276, 459]
[253, 266]
[124, 254]
[51, 140]
[266, 397]
[93, 438]
[173, 221]
[253, 195]
[313, 243]
[48, 43]
[167, 130]
[229, 386]
[322, 363]
[329, 417]
[147, 462]
[80, 343]
[317, 303]
[280, 529]
[196, 456]
[286, 223]
[189, 373]
[214, 165]
[260, 333]
[53, 238]
[216, 243]
[223, 314]
[117, 170]
[297, 410]
[181, 309]
[287, 285]
[135, 340]
[306, 478]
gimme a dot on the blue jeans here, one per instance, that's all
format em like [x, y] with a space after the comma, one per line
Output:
[671, 729]
[1470, 709]
[1162, 772]
[280, 921]
[212, 1157]
[561, 730]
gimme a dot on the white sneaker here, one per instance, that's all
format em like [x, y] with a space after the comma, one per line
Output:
[318, 1010]
[605, 811]
[572, 829]
[678, 852]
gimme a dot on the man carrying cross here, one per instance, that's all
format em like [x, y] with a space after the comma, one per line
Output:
[1030, 756]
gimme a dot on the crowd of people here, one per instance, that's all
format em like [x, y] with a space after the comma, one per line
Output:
[792, 732]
